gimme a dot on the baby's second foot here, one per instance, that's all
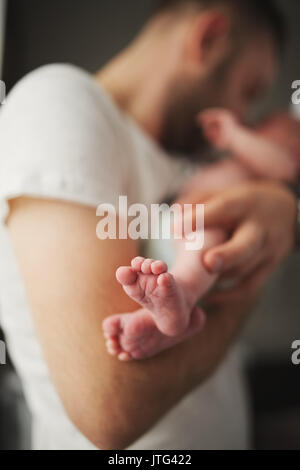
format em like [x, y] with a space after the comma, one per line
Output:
[136, 336]
[148, 283]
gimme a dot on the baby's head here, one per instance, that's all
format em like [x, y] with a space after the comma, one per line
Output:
[284, 130]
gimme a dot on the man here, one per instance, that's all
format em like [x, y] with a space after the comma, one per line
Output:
[70, 142]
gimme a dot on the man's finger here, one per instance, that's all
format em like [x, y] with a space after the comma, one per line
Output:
[246, 244]
[244, 271]
[226, 209]
[250, 286]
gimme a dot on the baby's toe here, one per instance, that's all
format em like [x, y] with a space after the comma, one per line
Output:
[159, 267]
[146, 266]
[165, 280]
[113, 347]
[126, 276]
[137, 262]
[106, 335]
[124, 357]
[112, 326]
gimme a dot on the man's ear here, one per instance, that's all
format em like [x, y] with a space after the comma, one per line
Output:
[209, 39]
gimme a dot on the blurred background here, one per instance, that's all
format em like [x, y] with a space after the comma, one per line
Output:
[89, 33]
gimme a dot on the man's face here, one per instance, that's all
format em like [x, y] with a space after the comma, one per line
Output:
[237, 87]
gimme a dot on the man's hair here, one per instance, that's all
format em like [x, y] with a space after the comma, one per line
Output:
[249, 15]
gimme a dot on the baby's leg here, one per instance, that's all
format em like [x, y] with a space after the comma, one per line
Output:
[149, 283]
[170, 296]
[189, 270]
[168, 300]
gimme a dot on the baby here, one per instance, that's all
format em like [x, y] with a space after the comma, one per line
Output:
[271, 151]
[169, 313]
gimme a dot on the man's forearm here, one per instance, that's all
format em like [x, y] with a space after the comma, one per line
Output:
[110, 402]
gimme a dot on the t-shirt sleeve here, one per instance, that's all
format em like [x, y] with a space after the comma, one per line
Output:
[58, 141]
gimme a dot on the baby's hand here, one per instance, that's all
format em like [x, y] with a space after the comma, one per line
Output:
[218, 126]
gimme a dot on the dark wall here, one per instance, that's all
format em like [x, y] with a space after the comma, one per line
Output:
[291, 65]
[89, 32]
[84, 32]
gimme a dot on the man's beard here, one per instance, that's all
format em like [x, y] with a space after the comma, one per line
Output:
[182, 135]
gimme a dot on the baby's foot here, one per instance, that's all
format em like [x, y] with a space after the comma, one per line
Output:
[218, 126]
[136, 336]
[148, 283]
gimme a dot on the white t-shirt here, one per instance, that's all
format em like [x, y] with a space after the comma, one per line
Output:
[62, 137]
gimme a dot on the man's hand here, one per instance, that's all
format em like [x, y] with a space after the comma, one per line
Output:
[260, 219]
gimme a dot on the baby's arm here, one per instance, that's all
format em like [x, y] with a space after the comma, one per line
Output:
[259, 155]
[263, 157]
